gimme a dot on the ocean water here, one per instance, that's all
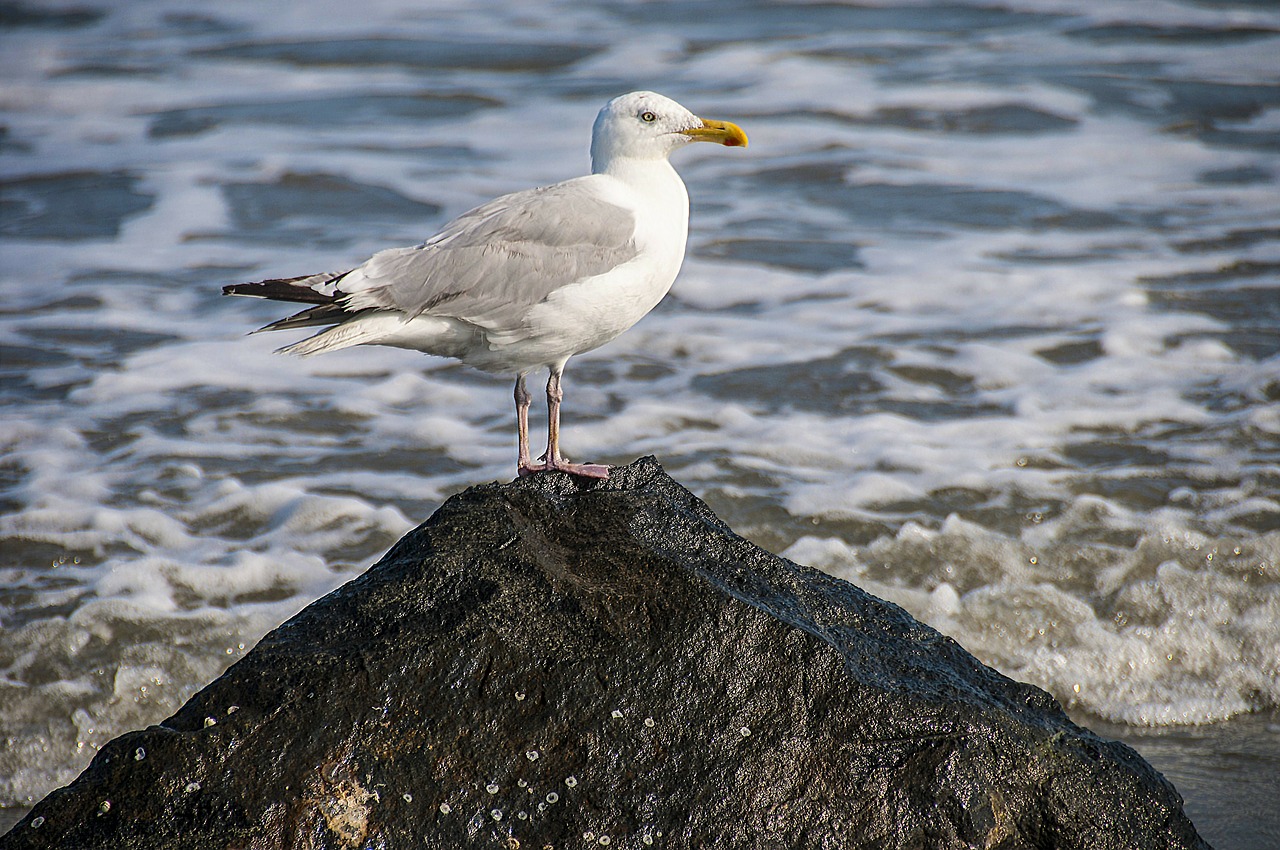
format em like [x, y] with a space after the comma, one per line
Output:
[986, 320]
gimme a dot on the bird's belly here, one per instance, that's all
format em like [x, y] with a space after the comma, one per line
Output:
[584, 315]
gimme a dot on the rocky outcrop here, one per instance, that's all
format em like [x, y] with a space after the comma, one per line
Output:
[569, 664]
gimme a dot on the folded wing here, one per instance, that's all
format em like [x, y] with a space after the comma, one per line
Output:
[488, 267]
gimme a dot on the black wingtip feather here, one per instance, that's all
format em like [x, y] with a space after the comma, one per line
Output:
[282, 289]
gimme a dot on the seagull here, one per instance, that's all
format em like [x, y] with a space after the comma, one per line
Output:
[529, 279]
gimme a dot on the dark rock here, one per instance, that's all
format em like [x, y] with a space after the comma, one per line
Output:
[562, 663]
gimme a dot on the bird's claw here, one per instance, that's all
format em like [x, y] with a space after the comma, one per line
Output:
[582, 470]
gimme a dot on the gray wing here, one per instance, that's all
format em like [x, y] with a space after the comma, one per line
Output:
[490, 265]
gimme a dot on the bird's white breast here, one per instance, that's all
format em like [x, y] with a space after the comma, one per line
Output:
[587, 314]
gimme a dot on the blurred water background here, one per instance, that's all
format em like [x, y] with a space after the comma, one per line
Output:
[986, 320]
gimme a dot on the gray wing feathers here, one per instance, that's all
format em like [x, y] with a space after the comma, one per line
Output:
[491, 264]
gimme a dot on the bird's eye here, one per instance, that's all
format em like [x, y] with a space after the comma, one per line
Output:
[648, 117]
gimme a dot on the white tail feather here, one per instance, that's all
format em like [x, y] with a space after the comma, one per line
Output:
[429, 334]
[362, 330]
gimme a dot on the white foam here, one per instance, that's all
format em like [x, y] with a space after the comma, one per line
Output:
[1136, 639]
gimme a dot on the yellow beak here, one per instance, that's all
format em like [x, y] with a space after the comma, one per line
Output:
[725, 132]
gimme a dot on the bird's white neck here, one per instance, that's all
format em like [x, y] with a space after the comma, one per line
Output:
[653, 177]
[644, 168]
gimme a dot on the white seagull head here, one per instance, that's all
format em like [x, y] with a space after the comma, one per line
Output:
[645, 125]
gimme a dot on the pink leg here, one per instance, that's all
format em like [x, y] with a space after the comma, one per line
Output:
[523, 464]
[552, 459]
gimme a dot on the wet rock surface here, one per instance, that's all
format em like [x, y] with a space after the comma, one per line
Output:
[561, 663]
